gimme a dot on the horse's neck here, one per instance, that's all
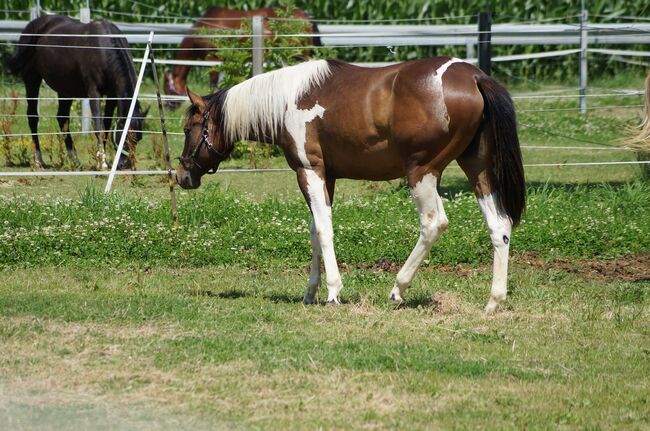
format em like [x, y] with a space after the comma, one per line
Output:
[180, 71]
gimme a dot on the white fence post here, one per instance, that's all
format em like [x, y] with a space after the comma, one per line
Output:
[86, 115]
[134, 99]
[258, 45]
[583, 58]
[35, 11]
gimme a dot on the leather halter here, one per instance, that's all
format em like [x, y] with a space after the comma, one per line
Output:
[205, 139]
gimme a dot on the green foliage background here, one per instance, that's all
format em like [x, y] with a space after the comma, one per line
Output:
[448, 12]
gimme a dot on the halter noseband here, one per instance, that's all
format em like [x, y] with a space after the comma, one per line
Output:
[205, 139]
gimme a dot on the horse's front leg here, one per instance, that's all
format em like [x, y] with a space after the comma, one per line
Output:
[319, 193]
[63, 118]
[433, 222]
[95, 108]
[32, 87]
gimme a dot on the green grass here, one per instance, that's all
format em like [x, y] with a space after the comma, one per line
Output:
[224, 228]
[234, 346]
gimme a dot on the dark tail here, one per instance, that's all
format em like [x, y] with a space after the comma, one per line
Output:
[508, 168]
[314, 29]
[25, 50]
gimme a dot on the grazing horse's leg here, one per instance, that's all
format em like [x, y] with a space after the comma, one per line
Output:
[433, 222]
[63, 118]
[500, 228]
[475, 162]
[32, 87]
[96, 109]
[314, 279]
[319, 200]
[109, 110]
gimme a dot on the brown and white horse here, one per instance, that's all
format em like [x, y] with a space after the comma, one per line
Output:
[197, 48]
[336, 120]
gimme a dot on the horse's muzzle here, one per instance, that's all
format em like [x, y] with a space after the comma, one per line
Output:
[185, 180]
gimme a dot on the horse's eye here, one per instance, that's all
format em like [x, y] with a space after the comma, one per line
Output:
[186, 130]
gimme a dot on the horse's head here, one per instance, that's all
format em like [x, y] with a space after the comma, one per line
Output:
[171, 89]
[134, 134]
[205, 146]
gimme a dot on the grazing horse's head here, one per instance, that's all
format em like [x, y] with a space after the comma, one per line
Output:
[205, 146]
[134, 134]
[171, 89]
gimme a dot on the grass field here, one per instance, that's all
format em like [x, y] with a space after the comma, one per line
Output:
[110, 319]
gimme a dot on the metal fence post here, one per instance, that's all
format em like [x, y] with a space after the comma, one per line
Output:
[470, 51]
[258, 45]
[584, 37]
[86, 115]
[35, 11]
[485, 41]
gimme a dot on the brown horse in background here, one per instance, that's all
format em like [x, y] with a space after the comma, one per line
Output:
[336, 120]
[196, 48]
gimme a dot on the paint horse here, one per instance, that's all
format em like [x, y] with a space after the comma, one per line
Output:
[197, 48]
[336, 120]
[52, 48]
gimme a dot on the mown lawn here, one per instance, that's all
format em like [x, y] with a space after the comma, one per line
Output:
[233, 347]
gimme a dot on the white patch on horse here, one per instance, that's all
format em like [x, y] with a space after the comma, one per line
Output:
[322, 214]
[256, 108]
[500, 228]
[433, 222]
[295, 121]
[439, 96]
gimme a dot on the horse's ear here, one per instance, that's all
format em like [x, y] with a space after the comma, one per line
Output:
[146, 112]
[196, 100]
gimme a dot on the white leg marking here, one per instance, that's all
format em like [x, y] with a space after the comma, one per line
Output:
[433, 222]
[295, 120]
[500, 229]
[314, 279]
[436, 83]
[322, 214]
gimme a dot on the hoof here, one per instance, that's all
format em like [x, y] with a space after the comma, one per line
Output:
[396, 299]
[335, 301]
[491, 307]
[308, 301]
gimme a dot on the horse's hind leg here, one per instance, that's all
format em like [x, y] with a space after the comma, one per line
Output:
[32, 87]
[478, 172]
[63, 118]
[433, 222]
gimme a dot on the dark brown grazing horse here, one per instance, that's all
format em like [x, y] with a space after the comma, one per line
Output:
[221, 18]
[77, 67]
[335, 120]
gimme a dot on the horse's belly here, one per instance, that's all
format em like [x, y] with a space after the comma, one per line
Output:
[377, 161]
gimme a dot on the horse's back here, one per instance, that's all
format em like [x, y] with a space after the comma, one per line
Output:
[381, 114]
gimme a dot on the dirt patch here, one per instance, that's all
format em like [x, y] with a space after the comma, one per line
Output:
[629, 268]
[394, 267]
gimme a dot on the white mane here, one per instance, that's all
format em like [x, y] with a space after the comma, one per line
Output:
[259, 104]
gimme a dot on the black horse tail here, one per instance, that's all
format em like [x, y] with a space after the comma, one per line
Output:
[508, 169]
[26, 47]
[315, 40]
